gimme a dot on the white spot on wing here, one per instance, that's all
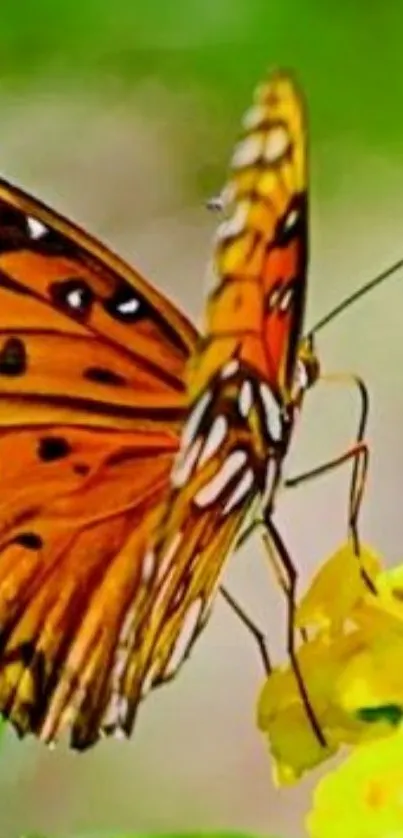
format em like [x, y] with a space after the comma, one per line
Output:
[291, 219]
[286, 299]
[127, 630]
[242, 489]
[129, 306]
[169, 555]
[217, 485]
[230, 369]
[272, 412]
[192, 425]
[247, 151]
[245, 398]
[118, 669]
[235, 224]
[149, 678]
[272, 299]
[36, 228]
[254, 117]
[277, 144]
[185, 464]
[115, 712]
[185, 636]
[148, 566]
[214, 440]
[75, 298]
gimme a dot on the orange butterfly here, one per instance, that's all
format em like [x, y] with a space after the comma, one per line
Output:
[108, 568]
[246, 381]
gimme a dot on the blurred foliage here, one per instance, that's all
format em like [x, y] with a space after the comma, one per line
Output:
[152, 835]
[347, 54]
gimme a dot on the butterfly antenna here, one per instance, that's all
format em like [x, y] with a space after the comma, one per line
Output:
[356, 295]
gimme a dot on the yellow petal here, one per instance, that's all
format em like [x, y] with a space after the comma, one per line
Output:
[372, 678]
[371, 782]
[383, 611]
[282, 715]
[335, 589]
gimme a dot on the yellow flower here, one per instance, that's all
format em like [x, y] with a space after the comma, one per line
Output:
[345, 716]
[363, 797]
[352, 667]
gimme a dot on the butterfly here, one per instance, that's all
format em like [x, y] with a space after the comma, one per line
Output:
[246, 380]
[132, 448]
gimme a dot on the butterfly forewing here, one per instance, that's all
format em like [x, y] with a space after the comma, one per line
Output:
[92, 396]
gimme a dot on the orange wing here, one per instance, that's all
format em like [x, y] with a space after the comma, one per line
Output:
[256, 308]
[240, 381]
[92, 399]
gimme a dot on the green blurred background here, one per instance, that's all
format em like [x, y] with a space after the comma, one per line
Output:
[122, 115]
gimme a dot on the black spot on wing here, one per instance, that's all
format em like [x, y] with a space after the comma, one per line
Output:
[72, 295]
[52, 448]
[13, 357]
[29, 540]
[19, 231]
[13, 228]
[127, 305]
[102, 375]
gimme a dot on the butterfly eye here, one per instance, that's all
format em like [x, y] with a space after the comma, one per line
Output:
[125, 305]
[73, 295]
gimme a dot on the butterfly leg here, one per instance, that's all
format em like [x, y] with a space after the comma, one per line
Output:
[255, 524]
[358, 454]
[256, 632]
[289, 577]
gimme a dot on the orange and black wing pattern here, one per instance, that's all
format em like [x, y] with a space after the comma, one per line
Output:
[239, 380]
[92, 400]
